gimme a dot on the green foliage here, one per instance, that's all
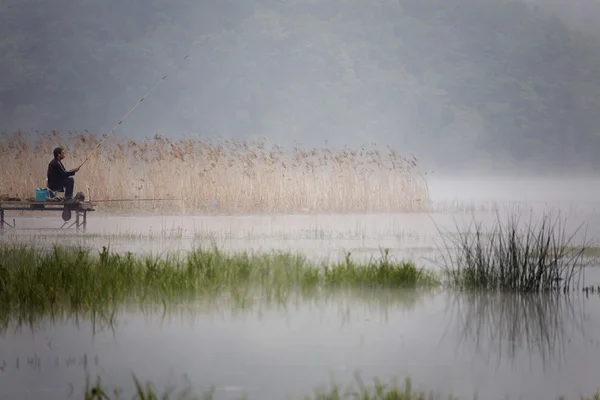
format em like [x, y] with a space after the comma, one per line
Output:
[34, 282]
[142, 392]
[381, 273]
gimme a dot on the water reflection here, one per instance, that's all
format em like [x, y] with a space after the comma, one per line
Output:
[252, 341]
[508, 326]
[106, 316]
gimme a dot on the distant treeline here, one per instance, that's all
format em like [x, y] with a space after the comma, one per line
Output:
[456, 82]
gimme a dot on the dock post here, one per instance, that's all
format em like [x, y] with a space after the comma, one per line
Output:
[3, 222]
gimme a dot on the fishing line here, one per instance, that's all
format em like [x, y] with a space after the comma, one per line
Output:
[134, 107]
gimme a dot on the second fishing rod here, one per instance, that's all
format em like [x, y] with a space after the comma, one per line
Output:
[135, 106]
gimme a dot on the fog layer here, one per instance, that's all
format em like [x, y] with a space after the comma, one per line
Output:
[471, 85]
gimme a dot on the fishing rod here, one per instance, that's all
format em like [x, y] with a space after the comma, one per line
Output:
[132, 109]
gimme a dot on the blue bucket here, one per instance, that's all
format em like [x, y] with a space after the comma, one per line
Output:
[41, 194]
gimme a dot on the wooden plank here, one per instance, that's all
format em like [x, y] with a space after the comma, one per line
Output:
[44, 209]
[46, 203]
[80, 208]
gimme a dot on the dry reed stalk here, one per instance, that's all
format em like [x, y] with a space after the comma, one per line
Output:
[241, 177]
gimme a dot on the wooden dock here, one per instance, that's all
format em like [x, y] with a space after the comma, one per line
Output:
[80, 208]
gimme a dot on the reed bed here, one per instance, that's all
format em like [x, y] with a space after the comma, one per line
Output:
[376, 391]
[34, 280]
[541, 257]
[228, 176]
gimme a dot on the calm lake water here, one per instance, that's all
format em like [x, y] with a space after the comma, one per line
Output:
[494, 345]
[533, 347]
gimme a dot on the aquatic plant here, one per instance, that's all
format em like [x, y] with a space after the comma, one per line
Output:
[230, 176]
[541, 257]
[31, 279]
[383, 273]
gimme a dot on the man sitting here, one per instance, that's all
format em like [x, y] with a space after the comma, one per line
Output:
[59, 178]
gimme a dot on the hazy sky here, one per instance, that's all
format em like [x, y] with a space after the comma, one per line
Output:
[447, 83]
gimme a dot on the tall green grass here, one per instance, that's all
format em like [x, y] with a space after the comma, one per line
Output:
[509, 258]
[35, 280]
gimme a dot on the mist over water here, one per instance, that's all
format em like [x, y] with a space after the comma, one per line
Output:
[494, 345]
[533, 346]
[496, 100]
[455, 203]
[464, 86]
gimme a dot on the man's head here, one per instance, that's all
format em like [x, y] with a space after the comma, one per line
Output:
[59, 153]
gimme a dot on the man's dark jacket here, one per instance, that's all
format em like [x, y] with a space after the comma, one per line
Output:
[57, 174]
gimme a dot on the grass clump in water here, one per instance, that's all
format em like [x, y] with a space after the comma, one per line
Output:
[539, 258]
[34, 280]
[383, 273]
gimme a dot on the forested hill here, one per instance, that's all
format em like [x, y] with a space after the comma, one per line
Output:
[459, 83]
